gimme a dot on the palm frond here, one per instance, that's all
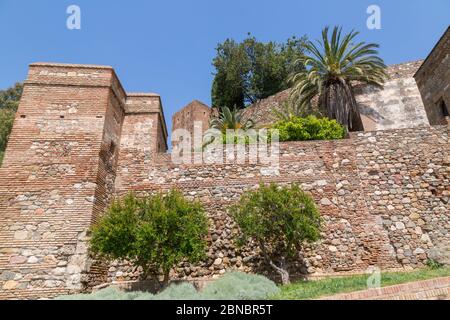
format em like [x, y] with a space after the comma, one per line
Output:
[231, 119]
[332, 65]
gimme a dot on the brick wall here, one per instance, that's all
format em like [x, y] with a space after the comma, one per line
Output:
[194, 114]
[434, 289]
[52, 183]
[59, 174]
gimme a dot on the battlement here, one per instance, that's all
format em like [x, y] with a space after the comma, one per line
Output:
[149, 103]
[143, 103]
[60, 74]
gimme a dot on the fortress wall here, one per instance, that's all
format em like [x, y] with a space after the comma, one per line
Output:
[53, 181]
[433, 79]
[78, 140]
[405, 175]
[142, 135]
[384, 197]
[397, 105]
[194, 117]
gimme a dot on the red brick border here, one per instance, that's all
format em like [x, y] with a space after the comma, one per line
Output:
[433, 289]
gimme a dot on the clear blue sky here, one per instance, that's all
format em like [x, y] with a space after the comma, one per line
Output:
[167, 46]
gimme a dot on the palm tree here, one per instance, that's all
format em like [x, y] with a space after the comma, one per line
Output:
[332, 68]
[226, 119]
[231, 119]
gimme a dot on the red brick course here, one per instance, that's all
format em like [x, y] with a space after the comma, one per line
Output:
[434, 289]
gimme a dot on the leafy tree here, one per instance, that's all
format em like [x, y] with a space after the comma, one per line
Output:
[280, 220]
[9, 102]
[9, 99]
[309, 128]
[6, 124]
[332, 67]
[251, 70]
[232, 69]
[155, 232]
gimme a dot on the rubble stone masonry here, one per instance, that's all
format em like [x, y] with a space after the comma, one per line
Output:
[384, 197]
[79, 140]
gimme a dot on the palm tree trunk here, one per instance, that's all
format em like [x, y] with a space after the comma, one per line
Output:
[356, 121]
[339, 101]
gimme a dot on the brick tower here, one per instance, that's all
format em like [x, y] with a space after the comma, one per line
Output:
[195, 114]
[59, 174]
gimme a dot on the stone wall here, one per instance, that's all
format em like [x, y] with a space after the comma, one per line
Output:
[433, 79]
[141, 109]
[397, 105]
[79, 140]
[384, 197]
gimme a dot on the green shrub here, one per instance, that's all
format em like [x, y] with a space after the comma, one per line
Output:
[9, 98]
[156, 232]
[110, 293]
[182, 291]
[240, 286]
[232, 286]
[278, 219]
[2, 154]
[309, 128]
[433, 264]
[236, 137]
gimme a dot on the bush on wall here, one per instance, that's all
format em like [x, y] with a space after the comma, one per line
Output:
[309, 128]
[279, 220]
[155, 232]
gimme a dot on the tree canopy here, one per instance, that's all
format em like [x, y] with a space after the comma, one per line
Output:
[9, 102]
[9, 98]
[280, 219]
[155, 232]
[251, 70]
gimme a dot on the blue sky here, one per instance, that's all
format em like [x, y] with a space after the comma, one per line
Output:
[167, 46]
